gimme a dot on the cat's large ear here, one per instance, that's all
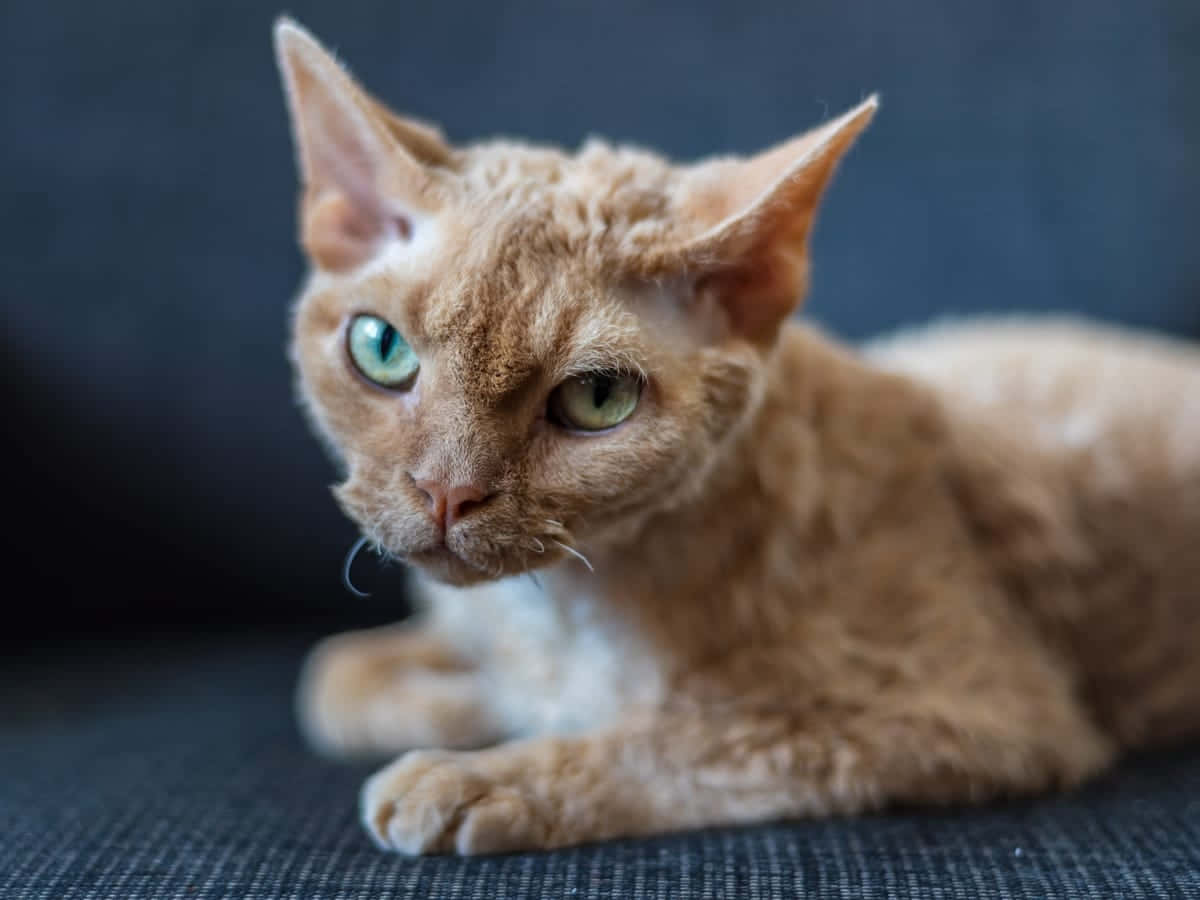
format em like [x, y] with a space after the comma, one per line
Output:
[366, 172]
[759, 212]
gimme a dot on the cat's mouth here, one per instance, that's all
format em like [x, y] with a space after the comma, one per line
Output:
[473, 552]
[460, 568]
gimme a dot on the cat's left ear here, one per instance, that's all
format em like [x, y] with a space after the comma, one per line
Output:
[759, 213]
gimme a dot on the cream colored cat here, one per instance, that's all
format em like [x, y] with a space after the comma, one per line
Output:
[774, 577]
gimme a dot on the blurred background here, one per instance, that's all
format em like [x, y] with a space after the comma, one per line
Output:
[1030, 155]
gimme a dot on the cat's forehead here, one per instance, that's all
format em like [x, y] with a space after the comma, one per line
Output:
[603, 204]
[538, 251]
[598, 168]
[494, 327]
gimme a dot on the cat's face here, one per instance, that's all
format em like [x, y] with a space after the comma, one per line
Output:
[519, 353]
[512, 348]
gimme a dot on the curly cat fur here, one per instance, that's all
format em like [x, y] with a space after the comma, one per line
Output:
[823, 581]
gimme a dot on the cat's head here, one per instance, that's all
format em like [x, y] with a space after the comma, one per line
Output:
[517, 351]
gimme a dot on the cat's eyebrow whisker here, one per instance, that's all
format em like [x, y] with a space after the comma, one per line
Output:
[583, 559]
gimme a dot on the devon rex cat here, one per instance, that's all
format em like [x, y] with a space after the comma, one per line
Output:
[772, 576]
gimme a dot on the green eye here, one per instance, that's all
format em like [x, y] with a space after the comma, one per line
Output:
[595, 402]
[380, 353]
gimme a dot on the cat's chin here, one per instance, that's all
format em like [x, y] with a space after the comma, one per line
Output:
[442, 564]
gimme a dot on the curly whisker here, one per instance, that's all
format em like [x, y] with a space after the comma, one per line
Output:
[577, 555]
[349, 561]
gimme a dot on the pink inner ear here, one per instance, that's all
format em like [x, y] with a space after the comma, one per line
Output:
[759, 291]
[339, 234]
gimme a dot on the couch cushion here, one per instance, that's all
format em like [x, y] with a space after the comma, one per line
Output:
[162, 768]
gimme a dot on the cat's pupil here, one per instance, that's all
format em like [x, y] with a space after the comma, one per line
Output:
[387, 340]
[601, 388]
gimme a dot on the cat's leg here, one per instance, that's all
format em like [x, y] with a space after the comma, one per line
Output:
[386, 690]
[718, 765]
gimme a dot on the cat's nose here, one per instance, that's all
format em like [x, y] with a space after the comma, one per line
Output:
[449, 504]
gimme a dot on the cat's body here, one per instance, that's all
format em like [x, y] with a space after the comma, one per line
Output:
[1106, 425]
[795, 580]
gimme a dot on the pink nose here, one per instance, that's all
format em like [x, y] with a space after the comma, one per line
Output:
[448, 505]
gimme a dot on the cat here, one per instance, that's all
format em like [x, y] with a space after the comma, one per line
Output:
[683, 561]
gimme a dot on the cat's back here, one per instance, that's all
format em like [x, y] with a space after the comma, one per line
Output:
[1127, 403]
[1117, 416]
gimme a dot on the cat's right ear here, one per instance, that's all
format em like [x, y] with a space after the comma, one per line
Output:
[362, 184]
[754, 218]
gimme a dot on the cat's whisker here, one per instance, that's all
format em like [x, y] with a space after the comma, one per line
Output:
[583, 559]
[539, 546]
[349, 562]
[554, 523]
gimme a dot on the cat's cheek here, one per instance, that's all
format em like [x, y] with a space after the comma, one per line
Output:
[385, 512]
[612, 484]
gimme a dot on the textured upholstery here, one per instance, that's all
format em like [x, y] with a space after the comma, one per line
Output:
[172, 770]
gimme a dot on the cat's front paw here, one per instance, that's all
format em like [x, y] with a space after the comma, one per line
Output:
[437, 802]
[383, 691]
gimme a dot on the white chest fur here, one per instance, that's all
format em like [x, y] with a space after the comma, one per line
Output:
[556, 657]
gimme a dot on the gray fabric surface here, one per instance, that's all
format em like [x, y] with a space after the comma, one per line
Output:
[167, 769]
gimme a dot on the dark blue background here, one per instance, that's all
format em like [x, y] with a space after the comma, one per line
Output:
[1029, 155]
